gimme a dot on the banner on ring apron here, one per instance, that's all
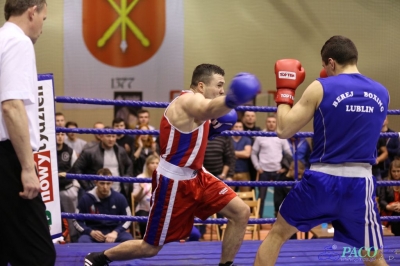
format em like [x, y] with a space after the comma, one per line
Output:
[123, 46]
[46, 156]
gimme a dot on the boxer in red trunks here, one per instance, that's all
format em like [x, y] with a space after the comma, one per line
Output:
[182, 188]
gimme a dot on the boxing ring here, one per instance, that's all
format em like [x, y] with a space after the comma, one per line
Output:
[294, 252]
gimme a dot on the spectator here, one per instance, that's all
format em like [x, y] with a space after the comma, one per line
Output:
[60, 119]
[107, 154]
[219, 158]
[125, 141]
[72, 139]
[389, 197]
[69, 188]
[280, 193]
[144, 118]
[142, 191]
[144, 147]
[249, 124]
[287, 159]
[102, 199]
[249, 121]
[266, 155]
[392, 146]
[97, 137]
[380, 160]
[303, 149]
[129, 114]
[242, 146]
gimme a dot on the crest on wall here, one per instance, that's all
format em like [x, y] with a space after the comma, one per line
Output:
[123, 33]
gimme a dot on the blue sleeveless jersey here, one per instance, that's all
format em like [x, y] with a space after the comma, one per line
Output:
[349, 119]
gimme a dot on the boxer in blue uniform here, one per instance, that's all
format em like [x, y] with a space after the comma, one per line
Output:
[348, 110]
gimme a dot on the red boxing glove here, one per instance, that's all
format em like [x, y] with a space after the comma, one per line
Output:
[289, 75]
[323, 74]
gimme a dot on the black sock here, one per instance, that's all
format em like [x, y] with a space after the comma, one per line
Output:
[108, 260]
[228, 263]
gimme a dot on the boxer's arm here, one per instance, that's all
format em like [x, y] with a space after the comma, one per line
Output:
[204, 109]
[243, 88]
[291, 120]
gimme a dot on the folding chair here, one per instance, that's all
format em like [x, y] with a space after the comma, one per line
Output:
[253, 229]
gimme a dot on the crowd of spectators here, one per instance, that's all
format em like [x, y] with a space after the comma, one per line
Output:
[109, 155]
[238, 158]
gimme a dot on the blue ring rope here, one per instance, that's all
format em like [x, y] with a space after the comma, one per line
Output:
[93, 101]
[223, 133]
[86, 216]
[128, 179]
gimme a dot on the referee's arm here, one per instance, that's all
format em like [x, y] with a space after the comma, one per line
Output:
[16, 120]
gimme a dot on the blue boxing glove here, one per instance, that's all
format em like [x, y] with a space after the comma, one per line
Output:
[243, 88]
[223, 123]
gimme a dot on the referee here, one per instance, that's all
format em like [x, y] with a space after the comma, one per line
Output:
[25, 236]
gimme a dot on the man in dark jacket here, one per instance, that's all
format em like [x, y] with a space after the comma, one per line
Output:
[69, 188]
[105, 155]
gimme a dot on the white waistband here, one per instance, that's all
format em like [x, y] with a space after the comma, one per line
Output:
[175, 172]
[344, 169]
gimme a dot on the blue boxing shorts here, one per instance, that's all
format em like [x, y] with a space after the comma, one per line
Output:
[343, 194]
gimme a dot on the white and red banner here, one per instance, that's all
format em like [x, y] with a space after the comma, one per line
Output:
[123, 46]
[46, 156]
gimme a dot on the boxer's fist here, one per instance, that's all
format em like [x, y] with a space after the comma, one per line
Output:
[289, 75]
[322, 73]
[223, 123]
[243, 88]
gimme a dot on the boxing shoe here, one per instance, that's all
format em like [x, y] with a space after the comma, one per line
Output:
[96, 259]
